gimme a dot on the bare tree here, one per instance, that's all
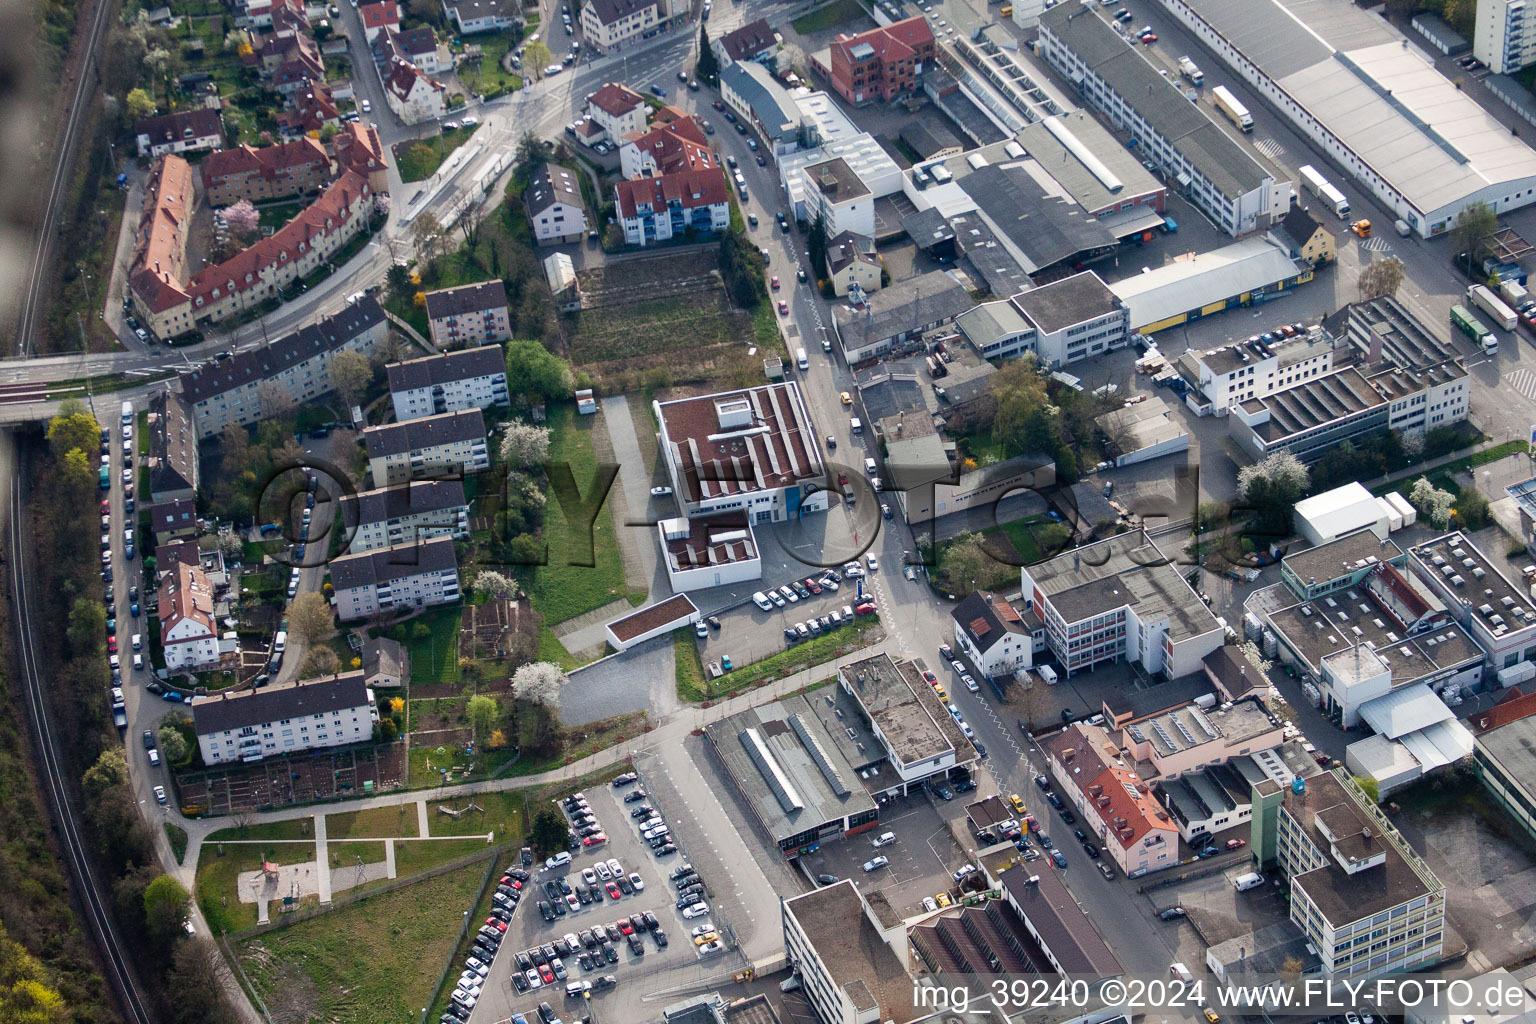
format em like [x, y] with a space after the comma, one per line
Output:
[350, 376]
[274, 398]
[309, 619]
[1030, 698]
[1381, 278]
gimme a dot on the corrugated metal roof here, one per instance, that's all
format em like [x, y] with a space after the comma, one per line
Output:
[1208, 277]
[1403, 711]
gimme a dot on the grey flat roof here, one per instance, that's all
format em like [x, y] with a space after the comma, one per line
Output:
[770, 102]
[819, 796]
[1342, 557]
[1323, 630]
[980, 245]
[1141, 704]
[1492, 589]
[1124, 570]
[1048, 141]
[911, 729]
[854, 952]
[1314, 402]
[1513, 745]
[1059, 305]
[931, 298]
[1046, 228]
[990, 321]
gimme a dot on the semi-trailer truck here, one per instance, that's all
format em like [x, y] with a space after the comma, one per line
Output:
[1473, 328]
[1323, 189]
[1231, 106]
[1481, 296]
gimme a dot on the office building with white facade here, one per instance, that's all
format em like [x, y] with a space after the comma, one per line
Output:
[1063, 322]
[1120, 599]
[472, 378]
[248, 725]
[406, 577]
[849, 973]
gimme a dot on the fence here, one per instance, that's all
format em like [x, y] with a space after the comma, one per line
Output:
[469, 918]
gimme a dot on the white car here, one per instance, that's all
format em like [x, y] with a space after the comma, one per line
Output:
[603, 873]
[559, 860]
[930, 904]
[615, 867]
[480, 967]
[589, 876]
[703, 929]
[636, 881]
[760, 599]
[697, 910]
[876, 864]
[660, 492]
[777, 598]
[367, 107]
[852, 571]
[789, 595]
[532, 977]
[711, 948]
[553, 69]
[970, 683]
[160, 795]
[873, 562]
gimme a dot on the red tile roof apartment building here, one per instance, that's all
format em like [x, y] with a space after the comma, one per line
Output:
[271, 172]
[880, 64]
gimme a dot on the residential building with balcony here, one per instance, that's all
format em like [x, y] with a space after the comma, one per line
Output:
[432, 447]
[611, 25]
[472, 314]
[248, 725]
[681, 204]
[404, 578]
[879, 65]
[403, 515]
[269, 172]
[618, 110]
[173, 459]
[555, 206]
[471, 378]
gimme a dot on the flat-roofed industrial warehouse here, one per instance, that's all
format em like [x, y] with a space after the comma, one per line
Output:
[1373, 102]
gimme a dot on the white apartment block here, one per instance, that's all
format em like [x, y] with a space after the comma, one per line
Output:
[555, 207]
[614, 24]
[407, 577]
[249, 725]
[1367, 903]
[452, 444]
[291, 372]
[618, 110]
[1233, 374]
[472, 378]
[390, 516]
[472, 314]
[1504, 38]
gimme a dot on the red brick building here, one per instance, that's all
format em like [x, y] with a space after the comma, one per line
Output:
[880, 64]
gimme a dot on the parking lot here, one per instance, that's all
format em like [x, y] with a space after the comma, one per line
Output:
[1217, 912]
[922, 859]
[655, 896]
[748, 634]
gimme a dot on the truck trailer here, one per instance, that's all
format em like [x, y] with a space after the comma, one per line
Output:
[1232, 107]
[1323, 189]
[1473, 328]
[1481, 296]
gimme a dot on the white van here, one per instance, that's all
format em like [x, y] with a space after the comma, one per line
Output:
[761, 600]
[870, 467]
[280, 644]
[1244, 882]
[885, 839]
[801, 360]
[1180, 973]
[138, 641]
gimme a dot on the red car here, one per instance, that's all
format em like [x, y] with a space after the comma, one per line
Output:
[111, 645]
[497, 923]
[783, 308]
[595, 839]
[106, 503]
[867, 608]
[774, 284]
[1149, 38]
[932, 679]
[516, 884]
[613, 891]
[1233, 844]
[625, 926]
[546, 975]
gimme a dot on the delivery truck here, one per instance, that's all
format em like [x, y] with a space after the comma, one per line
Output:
[1232, 107]
[1473, 328]
[1483, 298]
[1323, 189]
[1190, 70]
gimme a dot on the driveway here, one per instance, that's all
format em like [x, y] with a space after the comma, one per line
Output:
[641, 679]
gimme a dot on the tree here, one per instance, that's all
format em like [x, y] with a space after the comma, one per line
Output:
[1381, 278]
[535, 374]
[1471, 509]
[350, 376]
[1433, 503]
[1474, 225]
[494, 584]
[1369, 787]
[321, 661]
[72, 431]
[1255, 657]
[539, 682]
[243, 220]
[967, 564]
[138, 104]
[1030, 698]
[165, 906]
[1269, 489]
[77, 474]
[524, 446]
[708, 67]
[87, 624]
[482, 711]
[309, 619]
[274, 399]
[529, 152]
[537, 56]
[195, 977]
[26, 992]
[109, 771]
[816, 246]
[427, 234]
[549, 832]
[173, 744]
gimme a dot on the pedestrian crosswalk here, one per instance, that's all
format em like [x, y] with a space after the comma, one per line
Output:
[1523, 381]
[1376, 245]
[1270, 148]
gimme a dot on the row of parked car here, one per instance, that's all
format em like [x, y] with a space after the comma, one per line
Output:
[477, 965]
[690, 900]
[653, 829]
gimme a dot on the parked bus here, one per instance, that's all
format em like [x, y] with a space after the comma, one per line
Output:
[1483, 298]
[1323, 189]
[1473, 328]
[1231, 106]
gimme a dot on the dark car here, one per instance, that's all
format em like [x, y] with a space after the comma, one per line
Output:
[633, 795]
[545, 912]
[610, 954]
[1172, 913]
[660, 937]
[1091, 850]
[1068, 817]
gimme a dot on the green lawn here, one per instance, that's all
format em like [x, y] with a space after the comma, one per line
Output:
[275, 215]
[565, 588]
[414, 856]
[373, 823]
[843, 12]
[219, 866]
[420, 158]
[1492, 453]
[815, 651]
[295, 828]
[435, 657]
[424, 764]
[487, 77]
[1022, 540]
[178, 839]
[500, 812]
[551, 649]
[375, 960]
[689, 670]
